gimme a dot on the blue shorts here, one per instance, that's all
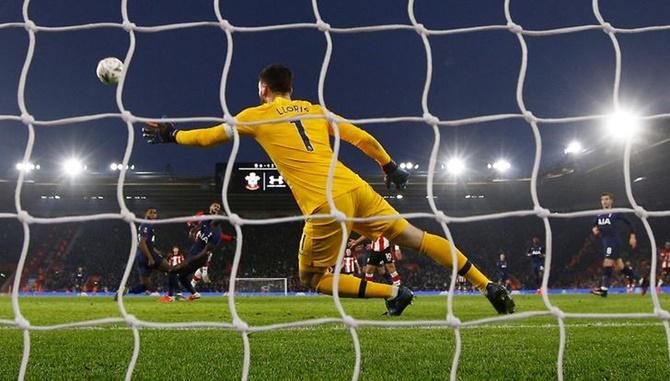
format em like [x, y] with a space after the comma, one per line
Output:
[143, 267]
[611, 250]
[538, 266]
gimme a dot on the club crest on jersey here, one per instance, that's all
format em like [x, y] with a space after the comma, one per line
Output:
[252, 181]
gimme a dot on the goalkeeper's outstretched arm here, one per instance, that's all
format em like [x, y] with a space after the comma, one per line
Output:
[156, 133]
[373, 149]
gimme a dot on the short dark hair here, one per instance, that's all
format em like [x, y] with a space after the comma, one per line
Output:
[278, 78]
[608, 194]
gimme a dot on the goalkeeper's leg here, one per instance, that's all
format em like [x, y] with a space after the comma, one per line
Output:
[349, 286]
[439, 249]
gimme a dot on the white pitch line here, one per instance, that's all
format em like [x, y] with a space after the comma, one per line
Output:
[330, 327]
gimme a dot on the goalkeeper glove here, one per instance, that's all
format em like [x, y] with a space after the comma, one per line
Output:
[158, 133]
[395, 175]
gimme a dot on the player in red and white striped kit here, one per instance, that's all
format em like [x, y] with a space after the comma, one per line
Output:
[382, 254]
[664, 258]
[350, 263]
[174, 258]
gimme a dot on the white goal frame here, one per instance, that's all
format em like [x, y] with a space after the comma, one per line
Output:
[237, 323]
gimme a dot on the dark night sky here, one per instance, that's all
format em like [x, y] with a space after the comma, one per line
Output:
[177, 74]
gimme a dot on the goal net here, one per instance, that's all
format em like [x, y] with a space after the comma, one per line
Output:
[261, 286]
[229, 29]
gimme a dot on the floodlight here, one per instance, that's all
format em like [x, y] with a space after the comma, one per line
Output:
[73, 167]
[573, 148]
[622, 125]
[455, 166]
[26, 166]
[502, 165]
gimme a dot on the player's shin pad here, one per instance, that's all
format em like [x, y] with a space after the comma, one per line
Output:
[353, 287]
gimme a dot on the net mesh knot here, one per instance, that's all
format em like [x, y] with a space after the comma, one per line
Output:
[441, 217]
[27, 118]
[235, 219]
[430, 119]
[22, 322]
[127, 215]
[349, 321]
[541, 212]
[240, 325]
[25, 217]
[128, 117]
[339, 216]
[128, 26]
[662, 314]
[323, 26]
[641, 212]
[454, 322]
[608, 28]
[30, 26]
[514, 28]
[529, 117]
[420, 29]
[226, 25]
[557, 313]
[132, 321]
[229, 120]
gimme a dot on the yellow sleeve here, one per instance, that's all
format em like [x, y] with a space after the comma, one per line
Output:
[363, 141]
[204, 137]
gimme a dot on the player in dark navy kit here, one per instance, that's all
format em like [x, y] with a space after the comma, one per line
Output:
[536, 252]
[502, 271]
[79, 279]
[207, 235]
[607, 227]
[148, 258]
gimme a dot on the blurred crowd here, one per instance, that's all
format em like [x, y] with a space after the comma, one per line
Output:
[92, 256]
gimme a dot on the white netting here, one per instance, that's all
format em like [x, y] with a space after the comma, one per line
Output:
[237, 323]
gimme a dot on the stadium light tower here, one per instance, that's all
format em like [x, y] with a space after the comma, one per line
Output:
[622, 125]
[73, 167]
[26, 166]
[573, 148]
[501, 165]
[455, 166]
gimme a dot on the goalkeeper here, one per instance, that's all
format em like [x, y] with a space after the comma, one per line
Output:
[301, 151]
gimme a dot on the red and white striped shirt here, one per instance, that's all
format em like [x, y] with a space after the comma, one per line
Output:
[380, 244]
[174, 260]
[665, 258]
[349, 265]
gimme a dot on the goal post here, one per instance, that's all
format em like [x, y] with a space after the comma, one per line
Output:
[270, 286]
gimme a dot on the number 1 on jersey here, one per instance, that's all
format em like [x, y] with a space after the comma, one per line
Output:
[303, 135]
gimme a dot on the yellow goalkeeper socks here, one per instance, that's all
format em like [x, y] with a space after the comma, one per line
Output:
[353, 287]
[439, 249]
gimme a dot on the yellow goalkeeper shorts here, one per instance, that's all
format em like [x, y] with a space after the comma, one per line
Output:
[321, 238]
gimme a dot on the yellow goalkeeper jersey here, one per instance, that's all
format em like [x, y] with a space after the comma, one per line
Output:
[300, 149]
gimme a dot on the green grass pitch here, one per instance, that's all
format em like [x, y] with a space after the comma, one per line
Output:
[634, 349]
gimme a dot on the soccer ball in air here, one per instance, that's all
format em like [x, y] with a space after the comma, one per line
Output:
[109, 70]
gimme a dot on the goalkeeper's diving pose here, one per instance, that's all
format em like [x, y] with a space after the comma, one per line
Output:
[302, 153]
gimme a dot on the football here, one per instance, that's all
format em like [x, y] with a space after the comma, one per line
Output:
[109, 70]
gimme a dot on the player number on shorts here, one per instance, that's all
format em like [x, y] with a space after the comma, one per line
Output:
[303, 135]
